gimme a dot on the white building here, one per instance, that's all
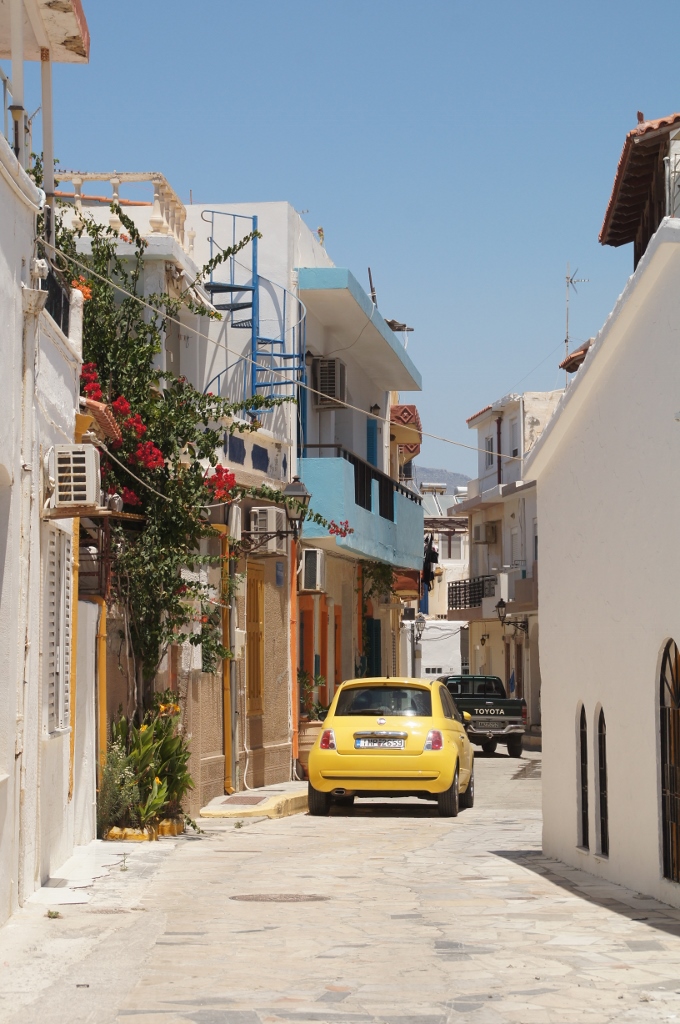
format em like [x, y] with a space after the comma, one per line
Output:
[46, 766]
[443, 645]
[608, 492]
[503, 562]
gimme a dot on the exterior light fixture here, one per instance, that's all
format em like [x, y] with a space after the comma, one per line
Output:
[297, 501]
[420, 622]
[483, 638]
[374, 410]
[502, 611]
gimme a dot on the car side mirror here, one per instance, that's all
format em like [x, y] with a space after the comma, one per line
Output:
[467, 717]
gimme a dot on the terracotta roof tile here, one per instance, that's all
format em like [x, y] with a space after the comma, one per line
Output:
[575, 358]
[104, 419]
[624, 169]
[476, 414]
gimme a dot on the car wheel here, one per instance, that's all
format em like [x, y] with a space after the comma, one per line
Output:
[318, 803]
[489, 746]
[467, 799]
[344, 801]
[448, 801]
[515, 746]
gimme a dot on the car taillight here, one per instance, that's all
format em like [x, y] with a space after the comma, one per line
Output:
[327, 741]
[434, 741]
[524, 715]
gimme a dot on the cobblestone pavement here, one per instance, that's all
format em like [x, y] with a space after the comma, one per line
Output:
[392, 916]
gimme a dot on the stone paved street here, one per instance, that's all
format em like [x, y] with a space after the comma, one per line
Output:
[415, 920]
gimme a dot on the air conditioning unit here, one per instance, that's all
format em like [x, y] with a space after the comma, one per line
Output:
[328, 381]
[484, 533]
[313, 569]
[74, 480]
[272, 521]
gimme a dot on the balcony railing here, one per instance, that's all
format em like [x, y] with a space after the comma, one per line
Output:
[364, 475]
[469, 593]
[58, 299]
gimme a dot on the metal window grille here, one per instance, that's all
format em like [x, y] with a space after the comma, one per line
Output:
[583, 734]
[469, 593]
[602, 783]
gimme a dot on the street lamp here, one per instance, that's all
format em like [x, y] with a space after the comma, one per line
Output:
[297, 501]
[419, 626]
[502, 611]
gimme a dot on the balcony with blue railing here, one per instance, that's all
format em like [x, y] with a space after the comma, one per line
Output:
[386, 517]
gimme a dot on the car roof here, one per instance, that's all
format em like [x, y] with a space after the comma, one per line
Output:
[389, 681]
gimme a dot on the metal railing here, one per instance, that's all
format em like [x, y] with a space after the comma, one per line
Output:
[469, 593]
[364, 475]
[58, 299]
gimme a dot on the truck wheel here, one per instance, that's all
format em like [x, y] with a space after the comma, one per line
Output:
[318, 803]
[489, 746]
[515, 746]
[448, 802]
[467, 799]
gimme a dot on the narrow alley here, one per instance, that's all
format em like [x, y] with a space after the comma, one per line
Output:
[383, 913]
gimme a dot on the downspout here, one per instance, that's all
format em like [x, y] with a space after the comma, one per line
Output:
[101, 678]
[499, 468]
[83, 423]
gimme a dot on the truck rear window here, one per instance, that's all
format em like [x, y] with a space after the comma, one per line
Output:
[468, 686]
[388, 701]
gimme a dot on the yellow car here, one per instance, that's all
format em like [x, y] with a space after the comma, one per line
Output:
[392, 738]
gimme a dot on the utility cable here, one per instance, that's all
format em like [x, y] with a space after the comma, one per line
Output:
[289, 381]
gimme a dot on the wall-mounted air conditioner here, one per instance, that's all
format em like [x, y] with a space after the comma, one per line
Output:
[73, 477]
[484, 533]
[268, 520]
[328, 381]
[313, 569]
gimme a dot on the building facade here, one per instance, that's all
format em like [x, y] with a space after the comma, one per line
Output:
[610, 622]
[46, 764]
[503, 562]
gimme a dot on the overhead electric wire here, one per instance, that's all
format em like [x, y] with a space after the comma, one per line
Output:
[289, 381]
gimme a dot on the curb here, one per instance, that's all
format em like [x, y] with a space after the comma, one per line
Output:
[273, 807]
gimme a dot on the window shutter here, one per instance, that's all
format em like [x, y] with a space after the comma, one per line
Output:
[59, 610]
[372, 442]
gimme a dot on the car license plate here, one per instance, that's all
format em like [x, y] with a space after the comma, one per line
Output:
[379, 741]
[487, 723]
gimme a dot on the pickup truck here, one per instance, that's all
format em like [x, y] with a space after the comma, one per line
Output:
[495, 716]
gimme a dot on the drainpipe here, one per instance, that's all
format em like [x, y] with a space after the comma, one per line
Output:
[101, 678]
[47, 138]
[499, 468]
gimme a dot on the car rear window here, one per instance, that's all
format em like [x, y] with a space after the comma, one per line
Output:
[388, 701]
[468, 686]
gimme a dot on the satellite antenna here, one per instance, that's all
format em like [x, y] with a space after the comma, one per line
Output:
[571, 281]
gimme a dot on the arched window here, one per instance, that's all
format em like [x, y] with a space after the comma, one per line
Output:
[583, 738]
[669, 724]
[602, 783]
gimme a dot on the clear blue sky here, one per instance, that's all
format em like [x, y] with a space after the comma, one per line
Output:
[465, 151]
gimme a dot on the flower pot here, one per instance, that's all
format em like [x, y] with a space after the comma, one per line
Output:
[132, 835]
[171, 827]
[307, 735]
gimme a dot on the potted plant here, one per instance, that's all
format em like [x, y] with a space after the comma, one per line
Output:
[310, 714]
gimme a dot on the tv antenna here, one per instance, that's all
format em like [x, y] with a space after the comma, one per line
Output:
[571, 281]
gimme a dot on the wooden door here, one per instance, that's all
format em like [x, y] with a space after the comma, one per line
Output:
[255, 638]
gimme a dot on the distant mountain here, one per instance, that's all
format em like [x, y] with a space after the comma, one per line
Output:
[424, 474]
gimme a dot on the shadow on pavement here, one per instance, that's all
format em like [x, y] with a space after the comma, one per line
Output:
[388, 809]
[598, 891]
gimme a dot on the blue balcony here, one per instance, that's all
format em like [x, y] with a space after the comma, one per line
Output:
[387, 518]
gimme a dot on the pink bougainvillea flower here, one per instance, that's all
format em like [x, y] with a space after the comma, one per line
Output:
[148, 455]
[135, 423]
